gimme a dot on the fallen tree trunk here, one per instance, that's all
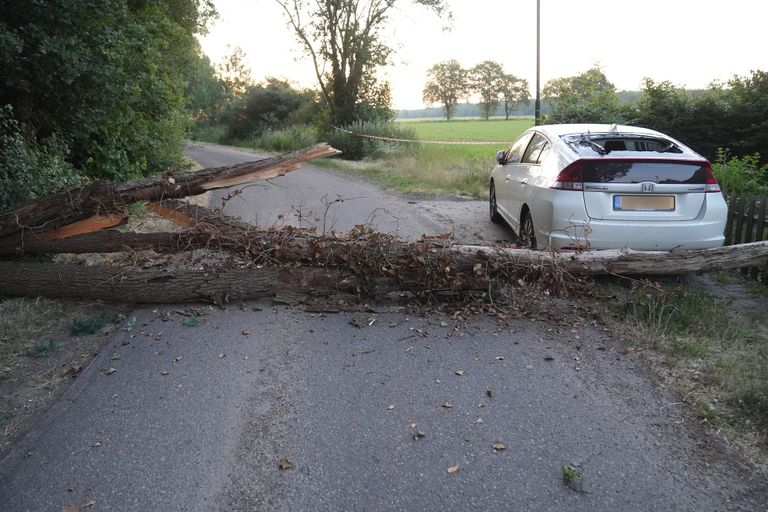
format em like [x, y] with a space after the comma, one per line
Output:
[282, 263]
[375, 251]
[67, 207]
[125, 284]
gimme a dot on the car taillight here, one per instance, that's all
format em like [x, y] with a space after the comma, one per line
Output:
[712, 185]
[569, 178]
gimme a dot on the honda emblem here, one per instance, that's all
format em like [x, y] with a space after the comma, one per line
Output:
[647, 186]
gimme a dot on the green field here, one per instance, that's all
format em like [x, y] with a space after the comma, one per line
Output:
[473, 130]
[443, 169]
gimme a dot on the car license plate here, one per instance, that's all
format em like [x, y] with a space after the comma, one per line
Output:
[644, 203]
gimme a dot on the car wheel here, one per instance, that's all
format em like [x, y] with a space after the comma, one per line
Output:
[527, 236]
[495, 216]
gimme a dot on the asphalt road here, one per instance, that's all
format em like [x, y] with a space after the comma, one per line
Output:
[198, 417]
[326, 200]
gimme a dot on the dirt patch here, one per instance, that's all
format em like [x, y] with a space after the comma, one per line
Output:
[39, 364]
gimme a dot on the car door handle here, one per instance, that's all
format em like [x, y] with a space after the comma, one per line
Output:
[524, 181]
[506, 179]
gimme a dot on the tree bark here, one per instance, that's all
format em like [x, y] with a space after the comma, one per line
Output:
[67, 207]
[125, 284]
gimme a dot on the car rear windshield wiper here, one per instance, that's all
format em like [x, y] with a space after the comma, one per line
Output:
[586, 141]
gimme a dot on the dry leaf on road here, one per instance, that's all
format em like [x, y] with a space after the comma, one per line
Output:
[448, 404]
[498, 446]
[460, 373]
[284, 464]
[453, 469]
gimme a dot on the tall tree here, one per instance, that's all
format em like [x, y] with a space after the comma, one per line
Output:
[585, 98]
[234, 74]
[513, 92]
[486, 80]
[447, 83]
[106, 77]
[345, 42]
[205, 91]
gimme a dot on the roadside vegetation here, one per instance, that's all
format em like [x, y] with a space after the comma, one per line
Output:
[25, 329]
[710, 340]
[442, 169]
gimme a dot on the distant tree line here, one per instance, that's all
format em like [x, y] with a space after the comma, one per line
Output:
[448, 83]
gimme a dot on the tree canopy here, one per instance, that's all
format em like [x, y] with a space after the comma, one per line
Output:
[486, 80]
[586, 98]
[447, 83]
[106, 78]
[344, 40]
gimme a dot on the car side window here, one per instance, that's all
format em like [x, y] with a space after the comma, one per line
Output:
[531, 155]
[515, 153]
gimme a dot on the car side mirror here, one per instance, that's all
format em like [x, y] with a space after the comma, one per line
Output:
[501, 156]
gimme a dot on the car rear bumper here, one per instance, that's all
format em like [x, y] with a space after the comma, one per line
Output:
[662, 237]
[561, 222]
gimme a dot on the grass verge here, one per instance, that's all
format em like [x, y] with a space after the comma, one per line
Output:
[437, 169]
[25, 325]
[432, 170]
[711, 349]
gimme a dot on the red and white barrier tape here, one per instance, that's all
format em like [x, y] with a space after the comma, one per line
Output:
[448, 142]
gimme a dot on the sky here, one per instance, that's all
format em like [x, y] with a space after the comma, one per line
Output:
[688, 42]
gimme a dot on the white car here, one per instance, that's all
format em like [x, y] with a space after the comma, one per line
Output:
[596, 186]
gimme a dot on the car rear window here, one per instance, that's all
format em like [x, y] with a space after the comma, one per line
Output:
[670, 173]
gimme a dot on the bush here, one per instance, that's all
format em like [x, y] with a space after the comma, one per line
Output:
[206, 132]
[356, 147]
[272, 105]
[295, 137]
[29, 169]
[743, 176]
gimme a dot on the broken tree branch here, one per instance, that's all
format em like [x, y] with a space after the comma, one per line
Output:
[101, 198]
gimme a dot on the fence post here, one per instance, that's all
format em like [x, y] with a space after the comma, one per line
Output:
[731, 202]
[760, 235]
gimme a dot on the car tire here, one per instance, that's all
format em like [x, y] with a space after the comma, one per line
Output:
[495, 215]
[527, 235]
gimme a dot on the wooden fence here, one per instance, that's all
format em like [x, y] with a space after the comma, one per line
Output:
[747, 222]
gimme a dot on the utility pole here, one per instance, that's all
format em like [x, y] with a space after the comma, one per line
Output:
[537, 108]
